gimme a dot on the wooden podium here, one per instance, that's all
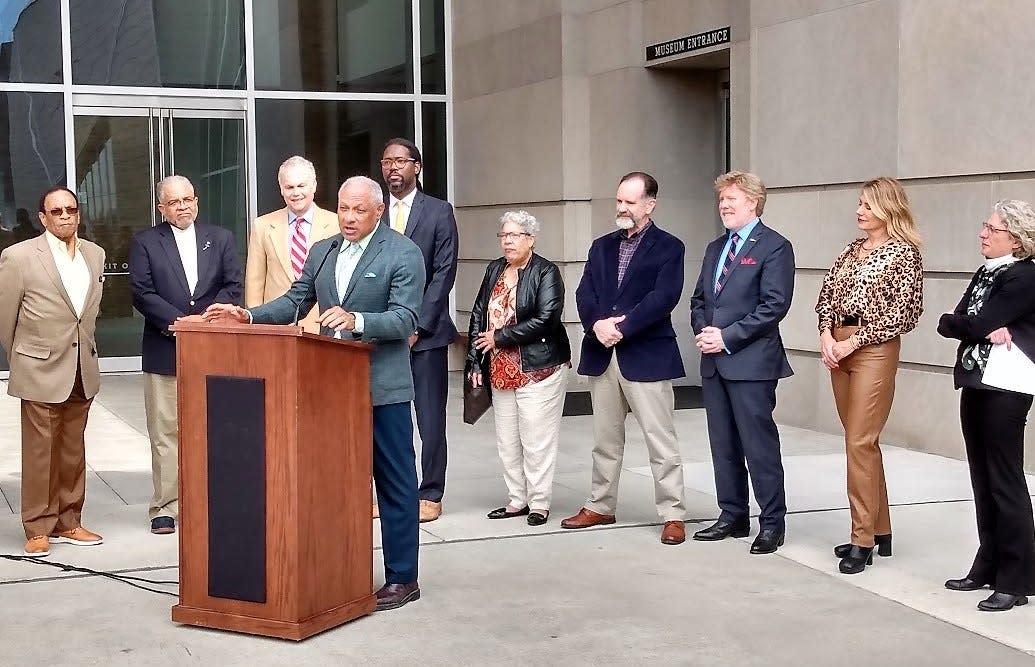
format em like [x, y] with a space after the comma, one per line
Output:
[275, 462]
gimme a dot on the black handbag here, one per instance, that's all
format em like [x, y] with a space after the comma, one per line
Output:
[477, 400]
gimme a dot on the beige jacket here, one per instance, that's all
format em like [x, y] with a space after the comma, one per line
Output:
[268, 272]
[39, 331]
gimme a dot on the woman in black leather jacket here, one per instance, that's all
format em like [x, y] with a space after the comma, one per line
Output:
[517, 338]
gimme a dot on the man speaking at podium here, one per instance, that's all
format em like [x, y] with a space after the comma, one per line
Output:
[368, 282]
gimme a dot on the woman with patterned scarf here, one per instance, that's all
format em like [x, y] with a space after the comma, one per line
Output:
[997, 308]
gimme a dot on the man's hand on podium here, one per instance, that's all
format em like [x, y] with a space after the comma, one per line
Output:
[226, 312]
[338, 318]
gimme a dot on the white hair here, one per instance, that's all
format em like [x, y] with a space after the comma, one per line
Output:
[524, 219]
[375, 189]
[1019, 218]
[168, 180]
[296, 161]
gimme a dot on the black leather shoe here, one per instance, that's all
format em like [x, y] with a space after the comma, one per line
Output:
[881, 542]
[964, 584]
[720, 530]
[856, 560]
[1002, 602]
[393, 596]
[768, 541]
[502, 513]
[538, 517]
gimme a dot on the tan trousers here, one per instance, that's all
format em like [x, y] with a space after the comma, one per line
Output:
[54, 462]
[864, 387]
[528, 427]
[653, 405]
[160, 409]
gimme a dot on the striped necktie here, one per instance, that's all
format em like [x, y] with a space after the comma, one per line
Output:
[298, 247]
[728, 262]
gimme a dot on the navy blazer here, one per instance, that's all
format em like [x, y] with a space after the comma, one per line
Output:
[432, 227]
[650, 290]
[748, 309]
[159, 285]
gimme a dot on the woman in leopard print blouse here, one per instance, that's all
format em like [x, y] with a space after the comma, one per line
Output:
[870, 297]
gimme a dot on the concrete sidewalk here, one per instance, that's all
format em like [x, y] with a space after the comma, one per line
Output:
[503, 593]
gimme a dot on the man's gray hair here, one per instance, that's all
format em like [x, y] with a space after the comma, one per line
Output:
[296, 161]
[168, 180]
[524, 219]
[375, 189]
[1019, 218]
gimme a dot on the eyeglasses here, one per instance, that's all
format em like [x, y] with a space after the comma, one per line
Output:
[397, 162]
[176, 203]
[992, 230]
[70, 210]
[511, 236]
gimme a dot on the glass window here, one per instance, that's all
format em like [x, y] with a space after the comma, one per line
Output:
[432, 47]
[434, 149]
[32, 159]
[355, 46]
[30, 41]
[173, 43]
[341, 138]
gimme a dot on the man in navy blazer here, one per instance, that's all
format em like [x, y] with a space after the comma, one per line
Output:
[176, 269]
[742, 295]
[430, 224]
[632, 281]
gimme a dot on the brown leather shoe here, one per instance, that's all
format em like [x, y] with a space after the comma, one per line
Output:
[78, 536]
[586, 518]
[429, 510]
[393, 596]
[674, 533]
[38, 546]
[376, 512]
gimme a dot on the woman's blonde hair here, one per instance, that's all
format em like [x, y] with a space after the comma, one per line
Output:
[890, 204]
[1019, 218]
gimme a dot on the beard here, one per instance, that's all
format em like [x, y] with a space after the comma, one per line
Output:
[625, 222]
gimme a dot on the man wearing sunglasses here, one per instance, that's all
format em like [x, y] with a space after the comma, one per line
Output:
[176, 269]
[50, 294]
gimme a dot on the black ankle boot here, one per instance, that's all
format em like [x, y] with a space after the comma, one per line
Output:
[882, 542]
[856, 560]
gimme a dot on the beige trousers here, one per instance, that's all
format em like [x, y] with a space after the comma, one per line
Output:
[653, 405]
[528, 426]
[864, 387]
[160, 410]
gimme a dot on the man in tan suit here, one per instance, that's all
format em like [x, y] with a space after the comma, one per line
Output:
[50, 294]
[279, 244]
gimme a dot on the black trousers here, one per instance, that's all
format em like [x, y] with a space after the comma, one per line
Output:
[431, 385]
[993, 430]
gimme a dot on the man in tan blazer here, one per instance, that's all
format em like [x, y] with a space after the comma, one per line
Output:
[50, 294]
[278, 245]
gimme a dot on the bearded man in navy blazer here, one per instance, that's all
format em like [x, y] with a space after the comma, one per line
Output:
[632, 281]
[430, 224]
[742, 295]
[176, 269]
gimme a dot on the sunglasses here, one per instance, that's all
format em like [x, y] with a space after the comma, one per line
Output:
[70, 210]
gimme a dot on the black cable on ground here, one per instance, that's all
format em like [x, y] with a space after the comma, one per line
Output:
[126, 579]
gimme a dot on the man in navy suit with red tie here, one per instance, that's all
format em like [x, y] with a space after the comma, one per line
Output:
[742, 295]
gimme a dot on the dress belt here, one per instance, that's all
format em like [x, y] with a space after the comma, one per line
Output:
[853, 321]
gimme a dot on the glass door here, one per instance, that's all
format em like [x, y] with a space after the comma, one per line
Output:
[120, 153]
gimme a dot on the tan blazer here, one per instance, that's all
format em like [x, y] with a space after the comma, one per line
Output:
[268, 272]
[43, 338]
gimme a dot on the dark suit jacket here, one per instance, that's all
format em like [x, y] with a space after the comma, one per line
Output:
[432, 227]
[159, 285]
[749, 307]
[650, 290]
[1010, 303]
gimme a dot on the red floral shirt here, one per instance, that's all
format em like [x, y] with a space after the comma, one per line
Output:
[505, 363]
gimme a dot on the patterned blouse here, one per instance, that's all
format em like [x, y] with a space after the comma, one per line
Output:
[885, 288]
[505, 363]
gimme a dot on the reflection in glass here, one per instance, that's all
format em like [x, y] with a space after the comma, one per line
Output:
[433, 47]
[175, 43]
[30, 41]
[32, 159]
[334, 45]
[341, 138]
[434, 149]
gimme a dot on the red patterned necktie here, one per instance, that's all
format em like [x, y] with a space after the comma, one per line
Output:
[298, 247]
[728, 262]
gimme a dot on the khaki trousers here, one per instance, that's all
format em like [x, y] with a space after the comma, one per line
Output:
[160, 410]
[864, 387]
[528, 427]
[54, 462]
[653, 405]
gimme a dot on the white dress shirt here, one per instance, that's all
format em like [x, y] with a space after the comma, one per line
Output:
[393, 207]
[187, 244]
[75, 274]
